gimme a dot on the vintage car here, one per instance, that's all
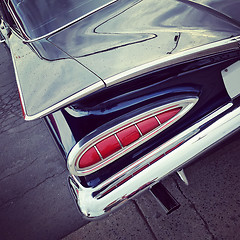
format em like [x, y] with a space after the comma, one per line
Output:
[131, 90]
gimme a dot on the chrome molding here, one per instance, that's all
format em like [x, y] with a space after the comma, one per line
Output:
[58, 29]
[78, 150]
[2, 38]
[143, 163]
[75, 113]
[198, 52]
[94, 205]
[165, 147]
[16, 20]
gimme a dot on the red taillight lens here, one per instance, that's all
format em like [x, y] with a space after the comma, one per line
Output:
[163, 117]
[121, 141]
[108, 146]
[128, 135]
[147, 125]
[89, 158]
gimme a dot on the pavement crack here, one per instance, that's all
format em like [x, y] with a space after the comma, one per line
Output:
[30, 189]
[28, 128]
[7, 84]
[15, 173]
[192, 205]
[145, 220]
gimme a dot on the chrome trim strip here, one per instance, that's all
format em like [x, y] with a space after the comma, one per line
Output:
[144, 162]
[78, 150]
[16, 20]
[118, 140]
[157, 120]
[93, 207]
[100, 155]
[60, 28]
[197, 52]
[75, 112]
[136, 126]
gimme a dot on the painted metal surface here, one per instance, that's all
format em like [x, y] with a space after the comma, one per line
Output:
[229, 8]
[41, 19]
[61, 131]
[43, 83]
[187, 55]
[231, 79]
[110, 42]
[129, 34]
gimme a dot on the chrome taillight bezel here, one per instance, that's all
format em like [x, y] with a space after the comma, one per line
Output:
[79, 149]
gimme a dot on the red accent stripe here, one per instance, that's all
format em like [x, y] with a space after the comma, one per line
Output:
[23, 112]
[139, 170]
[155, 160]
[170, 150]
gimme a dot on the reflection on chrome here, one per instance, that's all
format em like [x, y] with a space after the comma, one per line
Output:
[198, 139]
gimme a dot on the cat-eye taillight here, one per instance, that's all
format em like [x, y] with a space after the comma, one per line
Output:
[120, 139]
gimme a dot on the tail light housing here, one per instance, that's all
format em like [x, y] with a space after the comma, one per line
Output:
[122, 138]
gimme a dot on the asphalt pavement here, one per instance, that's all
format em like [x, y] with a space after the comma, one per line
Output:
[35, 202]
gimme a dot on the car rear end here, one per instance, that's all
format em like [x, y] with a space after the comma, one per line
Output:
[132, 91]
[124, 139]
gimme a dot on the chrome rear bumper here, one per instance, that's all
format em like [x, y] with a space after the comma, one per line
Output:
[150, 169]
